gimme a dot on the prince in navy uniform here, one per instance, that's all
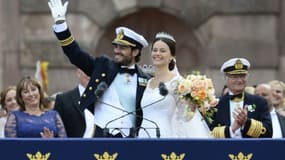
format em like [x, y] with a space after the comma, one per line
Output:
[240, 115]
[116, 85]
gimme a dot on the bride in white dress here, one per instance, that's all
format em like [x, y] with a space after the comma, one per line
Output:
[166, 112]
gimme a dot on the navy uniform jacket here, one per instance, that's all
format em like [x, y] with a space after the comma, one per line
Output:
[99, 69]
[68, 108]
[258, 123]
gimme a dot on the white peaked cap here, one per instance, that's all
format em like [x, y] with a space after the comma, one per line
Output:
[236, 66]
[126, 36]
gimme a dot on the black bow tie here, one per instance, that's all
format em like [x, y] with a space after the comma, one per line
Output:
[127, 70]
[236, 96]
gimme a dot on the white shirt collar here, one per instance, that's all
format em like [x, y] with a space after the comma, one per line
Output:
[81, 89]
[273, 112]
[130, 67]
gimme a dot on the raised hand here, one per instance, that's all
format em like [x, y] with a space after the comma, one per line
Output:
[58, 11]
[241, 117]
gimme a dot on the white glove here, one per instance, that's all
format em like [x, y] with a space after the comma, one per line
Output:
[58, 10]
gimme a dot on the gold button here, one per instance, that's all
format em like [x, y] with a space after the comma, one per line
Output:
[84, 95]
[103, 74]
[90, 88]
[97, 80]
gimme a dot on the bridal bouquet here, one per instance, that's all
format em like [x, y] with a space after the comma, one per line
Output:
[198, 92]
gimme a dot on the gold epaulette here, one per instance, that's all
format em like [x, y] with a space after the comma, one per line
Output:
[256, 129]
[67, 41]
[219, 132]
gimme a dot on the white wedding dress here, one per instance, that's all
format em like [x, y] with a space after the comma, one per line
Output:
[166, 113]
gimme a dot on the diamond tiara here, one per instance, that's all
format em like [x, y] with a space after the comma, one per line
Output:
[165, 35]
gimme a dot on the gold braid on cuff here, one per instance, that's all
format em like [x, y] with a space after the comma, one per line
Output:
[67, 41]
[256, 129]
[219, 132]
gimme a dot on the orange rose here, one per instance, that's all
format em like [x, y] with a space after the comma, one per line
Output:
[202, 95]
[199, 85]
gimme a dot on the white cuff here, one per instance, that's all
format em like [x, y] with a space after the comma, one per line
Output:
[237, 133]
[60, 27]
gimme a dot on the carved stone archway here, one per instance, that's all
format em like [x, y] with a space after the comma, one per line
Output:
[188, 51]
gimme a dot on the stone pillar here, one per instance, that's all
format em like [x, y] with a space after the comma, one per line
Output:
[10, 46]
[281, 71]
[2, 38]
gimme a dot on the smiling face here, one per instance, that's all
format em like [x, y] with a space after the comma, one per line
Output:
[30, 94]
[276, 94]
[10, 101]
[236, 82]
[160, 54]
[124, 55]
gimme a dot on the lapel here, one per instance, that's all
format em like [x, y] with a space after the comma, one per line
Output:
[106, 72]
[141, 84]
[110, 69]
[249, 102]
[141, 81]
[75, 99]
[222, 117]
[225, 103]
[281, 120]
[112, 72]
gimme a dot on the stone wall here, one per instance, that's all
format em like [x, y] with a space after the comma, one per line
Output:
[11, 42]
[208, 32]
[2, 39]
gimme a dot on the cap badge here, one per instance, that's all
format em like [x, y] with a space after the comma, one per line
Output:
[238, 64]
[120, 35]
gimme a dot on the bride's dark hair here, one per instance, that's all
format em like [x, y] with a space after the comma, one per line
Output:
[170, 41]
